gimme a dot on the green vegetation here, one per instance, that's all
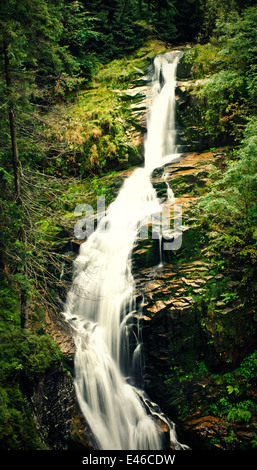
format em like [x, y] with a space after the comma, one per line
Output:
[231, 204]
[95, 132]
[24, 354]
[225, 107]
[219, 378]
[63, 121]
[230, 397]
[67, 130]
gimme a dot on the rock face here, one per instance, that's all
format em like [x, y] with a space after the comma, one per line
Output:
[194, 135]
[52, 404]
[62, 334]
[187, 324]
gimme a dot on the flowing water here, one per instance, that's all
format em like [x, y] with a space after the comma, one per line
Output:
[101, 303]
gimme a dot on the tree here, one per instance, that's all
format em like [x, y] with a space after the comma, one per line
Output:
[188, 19]
[29, 35]
[17, 174]
[231, 204]
[79, 33]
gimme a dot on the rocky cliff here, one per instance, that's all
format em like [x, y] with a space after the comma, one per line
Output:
[189, 333]
[198, 320]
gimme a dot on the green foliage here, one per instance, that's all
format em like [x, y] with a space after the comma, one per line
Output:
[23, 354]
[223, 104]
[32, 29]
[188, 19]
[248, 369]
[231, 203]
[239, 40]
[214, 11]
[234, 402]
[17, 429]
[165, 20]
[230, 94]
[227, 395]
[202, 59]
[26, 351]
[96, 128]
[225, 98]
[231, 389]
[228, 296]
[80, 29]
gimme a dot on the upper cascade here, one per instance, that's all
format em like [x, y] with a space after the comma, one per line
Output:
[160, 143]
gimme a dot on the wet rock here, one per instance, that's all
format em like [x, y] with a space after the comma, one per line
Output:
[142, 317]
[153, 285]
[199, 291]
[51, 400]
[52, 403]
[61, 333]
[159, 305]
[208, 427]
[193, 283]
[162, 425]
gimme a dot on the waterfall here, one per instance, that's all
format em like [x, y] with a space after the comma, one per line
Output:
[101, 303]
[160, 145]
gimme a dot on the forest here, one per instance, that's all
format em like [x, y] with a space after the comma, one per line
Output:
[67, 136]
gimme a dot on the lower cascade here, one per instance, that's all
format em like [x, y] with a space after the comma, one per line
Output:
[101, 304]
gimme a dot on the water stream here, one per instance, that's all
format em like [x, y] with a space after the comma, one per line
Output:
[101, 304]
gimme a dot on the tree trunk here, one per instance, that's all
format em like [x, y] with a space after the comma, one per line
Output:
[15, 154]
[17, 177]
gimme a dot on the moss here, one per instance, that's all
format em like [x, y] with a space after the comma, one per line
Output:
[94, 132]
[202, 59]
[23, 354]
[17, 428]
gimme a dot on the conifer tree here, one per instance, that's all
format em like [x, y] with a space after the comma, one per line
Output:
[29, 34]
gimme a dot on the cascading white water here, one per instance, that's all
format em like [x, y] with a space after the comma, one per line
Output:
[160, 145]
[101, 303]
